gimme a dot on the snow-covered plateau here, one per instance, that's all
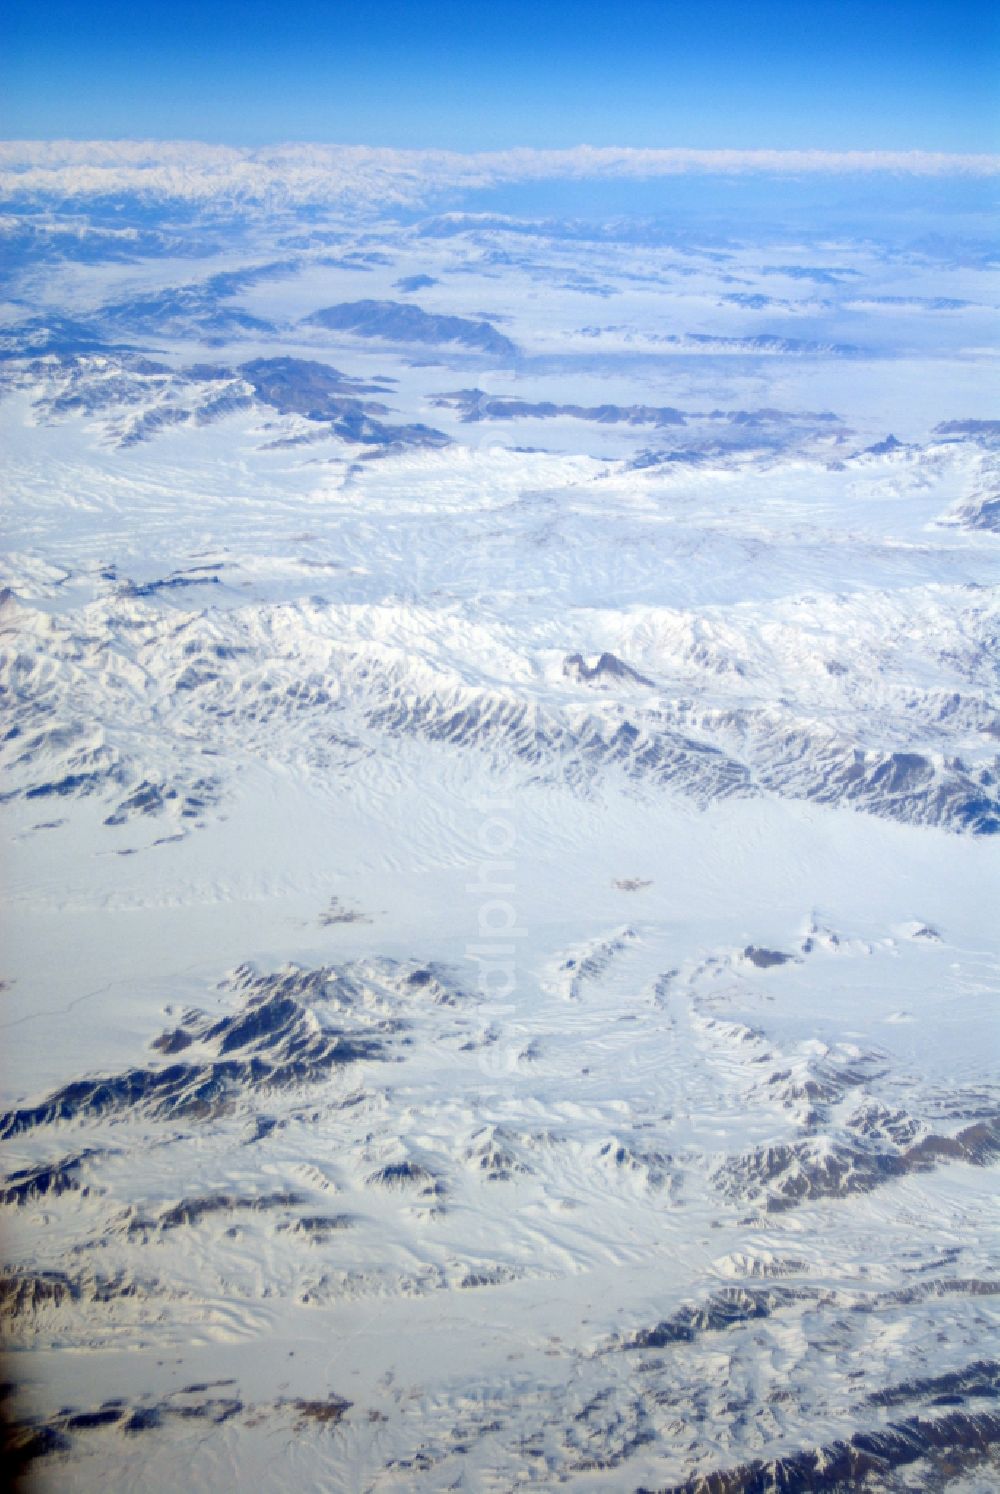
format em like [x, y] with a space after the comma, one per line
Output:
[500, 816]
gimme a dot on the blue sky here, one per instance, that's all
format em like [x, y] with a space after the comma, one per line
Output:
[477, 76]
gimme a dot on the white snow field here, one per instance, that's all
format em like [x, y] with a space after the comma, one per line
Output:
[500, 820]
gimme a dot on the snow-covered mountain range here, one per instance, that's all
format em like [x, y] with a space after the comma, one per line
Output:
[500, 797]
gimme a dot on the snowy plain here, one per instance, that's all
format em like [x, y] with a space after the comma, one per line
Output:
[500, 823]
